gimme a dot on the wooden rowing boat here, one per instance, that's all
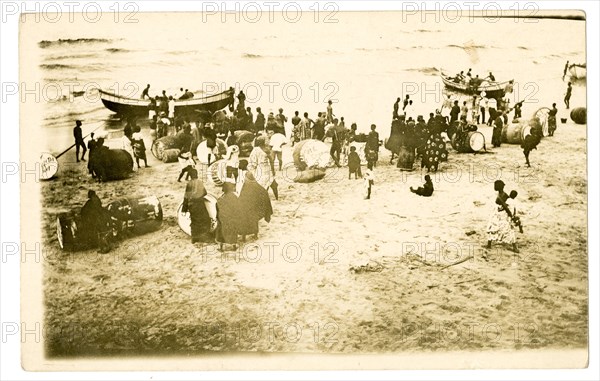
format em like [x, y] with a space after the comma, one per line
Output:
[578, 71]
[492, 89]
[188, 107]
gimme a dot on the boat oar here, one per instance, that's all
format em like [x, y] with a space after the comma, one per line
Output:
[73, 145]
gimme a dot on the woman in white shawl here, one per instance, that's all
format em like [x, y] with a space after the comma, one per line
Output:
[261, 165]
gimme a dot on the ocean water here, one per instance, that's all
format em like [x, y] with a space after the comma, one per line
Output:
[363, 63]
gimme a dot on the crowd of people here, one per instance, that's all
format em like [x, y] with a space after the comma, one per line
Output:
[409, 140]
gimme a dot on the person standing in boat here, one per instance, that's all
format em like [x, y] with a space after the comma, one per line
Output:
[396, 108]
[78, 135]
[568, 95]
[405, 102]
[241, 100]
[145, 93]
[491, 77]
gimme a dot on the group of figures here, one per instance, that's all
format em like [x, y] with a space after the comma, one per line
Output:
[236, 215]
[410, 139]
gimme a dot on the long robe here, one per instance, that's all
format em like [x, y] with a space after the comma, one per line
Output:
[228, 214]
[255, 205]
[95, 221]
[193, 202]
[259, 163]
[500, 225]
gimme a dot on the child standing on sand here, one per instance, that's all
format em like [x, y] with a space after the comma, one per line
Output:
[368, 183]
[353, 164]
[512, 204]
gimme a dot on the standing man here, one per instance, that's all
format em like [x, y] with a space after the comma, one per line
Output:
[396, 108]
[454, 112]
[483, 106]
[78, 135]
[259, 124]
[329, 112]
[497, 132]
[568, 95]
[405, 103]
[91, 147]
[145, 92]
[280, 119]
[566, 68]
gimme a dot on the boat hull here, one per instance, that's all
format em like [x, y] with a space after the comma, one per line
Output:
[578, 72]
[495, 90]
[186, 108]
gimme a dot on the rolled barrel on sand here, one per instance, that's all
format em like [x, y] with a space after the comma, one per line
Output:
[515, 133]
[579, 115]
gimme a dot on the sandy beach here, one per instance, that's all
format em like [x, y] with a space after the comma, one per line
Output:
[332, 272]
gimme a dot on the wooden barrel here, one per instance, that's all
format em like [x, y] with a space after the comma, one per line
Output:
[162, 144]
[579, 115]
[244, 140]
[48, 166]
[406, 158]
[170, 155]
[137, 215]
[128, 216]
[514, 133]
[468, 142]
[217, 172]
[68, 231]
[311, 153]
[309, 175]
[184, 221]
[542, 114]
[112, 164]
[203, 151]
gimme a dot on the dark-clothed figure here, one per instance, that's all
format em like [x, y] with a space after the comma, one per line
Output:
[426, 190]
[193, 202]
[552, 120]
[500, 224]
[568, 95]
[372, 147]
[228, 216]
[259, 123]
[91, 147]
[78, 135]
[145, 92]
[354, 164]
[255, 205]
[497, 133]
[96, 223]
[454, 112]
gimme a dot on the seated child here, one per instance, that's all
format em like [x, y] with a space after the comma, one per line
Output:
[426, 190]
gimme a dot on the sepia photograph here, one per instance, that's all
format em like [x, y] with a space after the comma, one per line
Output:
[297, 186]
